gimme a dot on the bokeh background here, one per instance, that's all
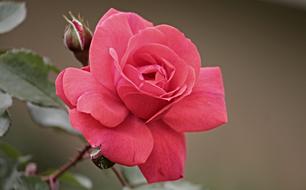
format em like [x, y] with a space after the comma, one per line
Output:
[261, 47]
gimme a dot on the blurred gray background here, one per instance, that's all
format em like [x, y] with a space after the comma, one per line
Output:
[261, 47]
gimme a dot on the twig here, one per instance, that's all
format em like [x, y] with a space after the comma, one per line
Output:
[53, 177]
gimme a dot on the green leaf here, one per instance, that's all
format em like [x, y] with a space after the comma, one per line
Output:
[177, 185]
[24, 74]
[5, 102]
[50, 117]
[74, 181]
[5, 123]
[133, 175]
[30, 183]
[9, 151]
[8, 163]
[20, 182]
[181, 185]
[10, 177]
[11, 15]
[8, 166]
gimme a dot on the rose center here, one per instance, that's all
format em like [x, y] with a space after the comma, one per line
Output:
[149, 76]
[155, 74]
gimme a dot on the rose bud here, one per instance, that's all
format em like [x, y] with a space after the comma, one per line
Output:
[77, 38]
[31, 169]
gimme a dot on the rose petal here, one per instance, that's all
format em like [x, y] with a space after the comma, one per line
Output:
[204, 108]
[86, 68]
[136, 77]
[140, 104]
[129, 144]
[113, 32]
[167, 159]
[137, 23]
[177, 41]
[163, 52]
[151, 107]
[144, 37]
[109, 13]
[60, 89]
[76, 82]
[178, 96]
[104, 107]
[133, 74]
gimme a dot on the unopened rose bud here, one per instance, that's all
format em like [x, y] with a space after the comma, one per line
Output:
[31, 169]
[77, 38]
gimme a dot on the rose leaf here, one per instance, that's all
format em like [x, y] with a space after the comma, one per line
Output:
[11, 15]
[50, 117]
[25, 75]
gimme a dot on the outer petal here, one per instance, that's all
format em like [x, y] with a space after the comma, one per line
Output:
[60, 89]
[129, 144]
[183, 46]
[109, 13]
[147, 36]
[104, 107]
[167, 159]
[113, 32]
[204, 109]
[76, 82]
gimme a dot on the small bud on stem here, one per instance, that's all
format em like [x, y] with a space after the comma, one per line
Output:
[31, 169]
[77, 38]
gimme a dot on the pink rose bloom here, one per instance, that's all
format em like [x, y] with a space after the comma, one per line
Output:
[144, 88]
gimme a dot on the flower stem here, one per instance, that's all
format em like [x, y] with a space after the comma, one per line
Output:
[53, 177]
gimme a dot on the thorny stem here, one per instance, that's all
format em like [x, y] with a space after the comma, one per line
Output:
[51, 179]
